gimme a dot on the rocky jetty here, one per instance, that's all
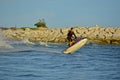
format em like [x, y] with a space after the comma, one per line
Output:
[109, 35]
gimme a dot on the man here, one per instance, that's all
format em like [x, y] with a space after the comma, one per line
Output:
[70, 36]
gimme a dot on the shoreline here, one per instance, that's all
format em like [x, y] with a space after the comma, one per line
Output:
[96, 34]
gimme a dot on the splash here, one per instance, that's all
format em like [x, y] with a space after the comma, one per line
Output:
[43, 43]
[26, 41]
[14, 46]
[3, 42]
[4, 45]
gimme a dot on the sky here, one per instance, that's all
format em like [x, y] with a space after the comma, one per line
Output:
[60, 13]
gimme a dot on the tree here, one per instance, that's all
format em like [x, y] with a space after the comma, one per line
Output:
[41, 23]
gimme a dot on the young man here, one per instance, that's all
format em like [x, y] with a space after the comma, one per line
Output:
[70, 36]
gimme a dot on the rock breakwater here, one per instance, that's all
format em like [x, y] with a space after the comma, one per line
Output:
[95, 34]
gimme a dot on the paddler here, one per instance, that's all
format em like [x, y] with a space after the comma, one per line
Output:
[71, 36]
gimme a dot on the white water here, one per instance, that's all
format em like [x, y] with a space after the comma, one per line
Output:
[3, 42]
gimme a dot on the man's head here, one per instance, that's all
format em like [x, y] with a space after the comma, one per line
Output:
[71, 28]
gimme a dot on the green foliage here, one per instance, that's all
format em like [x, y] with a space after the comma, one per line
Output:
[34, 28]
[29, 28]
[41, 23]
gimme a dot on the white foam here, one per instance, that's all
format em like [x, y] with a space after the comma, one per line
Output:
[26, 41]
[4, 45]
[43, 43]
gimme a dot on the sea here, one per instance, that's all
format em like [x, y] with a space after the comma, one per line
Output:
[24, 60]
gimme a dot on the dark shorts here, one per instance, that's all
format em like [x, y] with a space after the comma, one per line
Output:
[69, 39]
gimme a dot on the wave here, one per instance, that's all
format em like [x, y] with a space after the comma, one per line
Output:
[26, 41]
[4, 45]
[14, 50]
[30, 50]
[49, 51]
[43, 43]
[27, 46]
[3, 42]
[29, 75]
[20, 48]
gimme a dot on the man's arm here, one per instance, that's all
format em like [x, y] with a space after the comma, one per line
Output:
[74, 35]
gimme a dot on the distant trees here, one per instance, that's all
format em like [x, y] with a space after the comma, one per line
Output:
[41, 23]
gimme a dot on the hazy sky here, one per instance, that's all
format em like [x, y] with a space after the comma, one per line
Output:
[60, 13]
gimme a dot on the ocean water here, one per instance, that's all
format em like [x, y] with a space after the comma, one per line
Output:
[46, 61]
